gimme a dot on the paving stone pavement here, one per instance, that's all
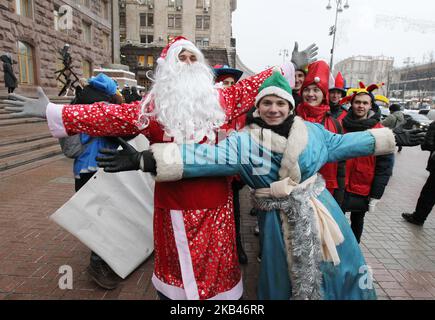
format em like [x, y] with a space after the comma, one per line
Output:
[32, 248]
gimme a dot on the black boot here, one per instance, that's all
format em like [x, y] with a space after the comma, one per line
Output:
[102, 274]
[411, 219]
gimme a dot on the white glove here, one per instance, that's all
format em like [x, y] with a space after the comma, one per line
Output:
[372, 204]
[27, 107]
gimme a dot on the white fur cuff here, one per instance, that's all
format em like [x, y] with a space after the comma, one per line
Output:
[385, 142]
[168, 160]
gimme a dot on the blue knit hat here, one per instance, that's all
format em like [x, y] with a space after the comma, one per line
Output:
[103, 83]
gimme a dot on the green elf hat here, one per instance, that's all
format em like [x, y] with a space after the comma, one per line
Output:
[275, 85]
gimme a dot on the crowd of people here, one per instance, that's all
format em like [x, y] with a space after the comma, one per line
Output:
[309, 150]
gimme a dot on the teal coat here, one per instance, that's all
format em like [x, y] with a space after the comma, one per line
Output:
[262, 157]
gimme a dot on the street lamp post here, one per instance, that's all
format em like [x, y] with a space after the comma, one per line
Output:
[333, 30]
[284, 53]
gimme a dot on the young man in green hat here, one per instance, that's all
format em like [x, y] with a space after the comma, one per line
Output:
[309, 251]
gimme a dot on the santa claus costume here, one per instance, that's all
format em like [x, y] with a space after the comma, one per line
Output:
[194, 235]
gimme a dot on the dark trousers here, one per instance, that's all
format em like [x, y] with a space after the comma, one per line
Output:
[426, 201]
[357, 223]
[11, 90]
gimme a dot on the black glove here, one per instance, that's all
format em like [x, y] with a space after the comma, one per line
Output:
[127, 159]
[408, 138]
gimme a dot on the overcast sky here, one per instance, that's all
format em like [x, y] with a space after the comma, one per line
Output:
[395, 28]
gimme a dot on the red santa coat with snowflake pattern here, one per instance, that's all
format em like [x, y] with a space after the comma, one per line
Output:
[194, 234]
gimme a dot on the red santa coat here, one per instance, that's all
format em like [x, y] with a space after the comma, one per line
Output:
[194, 233]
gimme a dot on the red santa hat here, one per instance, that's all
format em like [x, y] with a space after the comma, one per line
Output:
[176, 43]
[339, 84]
[318, 74]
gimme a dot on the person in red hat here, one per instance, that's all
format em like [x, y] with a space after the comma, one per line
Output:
[194, 236]
[338, 112]
[337, 93]
[315, 108]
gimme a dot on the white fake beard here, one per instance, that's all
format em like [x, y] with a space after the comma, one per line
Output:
[186, 103]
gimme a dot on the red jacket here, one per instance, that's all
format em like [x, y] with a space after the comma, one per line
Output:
[320, 114]
[360, 173]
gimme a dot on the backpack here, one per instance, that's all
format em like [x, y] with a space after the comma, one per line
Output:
[72, 146]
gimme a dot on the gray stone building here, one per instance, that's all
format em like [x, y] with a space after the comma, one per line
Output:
[146, 26]
[414, 84]
[34, 32]
[367, 69]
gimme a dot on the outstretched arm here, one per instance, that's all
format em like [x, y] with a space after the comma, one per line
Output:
[171, 162]
[358, 144]
[98, 119]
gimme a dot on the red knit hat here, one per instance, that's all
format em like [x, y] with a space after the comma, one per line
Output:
[318, 74]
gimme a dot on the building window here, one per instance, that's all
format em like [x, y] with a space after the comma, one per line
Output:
[141, 61]
[202, 22]
[86, 3]
[174, 21]
[177, 4]
[202, 42]
[146, 38]
[202, 4]
[146, 19]
[150, 61]
[24, 8]
[87, 69]
[105, 9]
[25, 63]
[122, 19]
[87, 32]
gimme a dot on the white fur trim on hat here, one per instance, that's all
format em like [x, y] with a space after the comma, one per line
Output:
[277, 92]
[182, 43]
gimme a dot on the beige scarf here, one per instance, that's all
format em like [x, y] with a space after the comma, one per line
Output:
[329, 232]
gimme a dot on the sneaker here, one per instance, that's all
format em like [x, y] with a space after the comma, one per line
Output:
[103, 275]
[411, 219]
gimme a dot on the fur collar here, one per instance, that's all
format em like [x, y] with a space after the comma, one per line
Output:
[291, 148]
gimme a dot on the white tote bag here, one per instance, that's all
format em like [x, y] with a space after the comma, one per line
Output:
[112, 214]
